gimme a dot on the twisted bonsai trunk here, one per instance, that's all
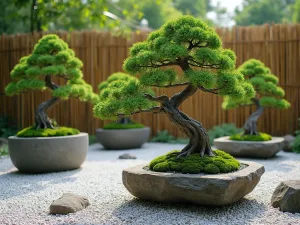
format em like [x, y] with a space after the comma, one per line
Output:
[124, 120]
[199, 140]
[250, 126]
[42, 121]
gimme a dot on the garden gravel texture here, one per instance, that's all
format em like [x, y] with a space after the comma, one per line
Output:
[25, 199]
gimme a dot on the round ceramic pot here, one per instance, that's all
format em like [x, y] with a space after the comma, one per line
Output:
[48, 154]
[114, 139]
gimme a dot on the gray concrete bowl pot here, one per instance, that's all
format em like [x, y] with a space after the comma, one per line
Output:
[48, 154]
[114, 139]
[251, 149]
[202, 189]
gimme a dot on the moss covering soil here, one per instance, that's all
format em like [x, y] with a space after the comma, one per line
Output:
[260, 137]
[60, 131]
[123, 126]
[222, 162]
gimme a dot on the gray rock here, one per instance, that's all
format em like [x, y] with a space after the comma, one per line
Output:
[68, 203]
[203, 189]
[254, 149]
[287, 196]
[287, 143]
[122, 138]
[48, 154]
[127, 156]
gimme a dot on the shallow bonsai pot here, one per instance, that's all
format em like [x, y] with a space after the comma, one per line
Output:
[202, 189]
[123, 138]
[48, 154]
[253, 149]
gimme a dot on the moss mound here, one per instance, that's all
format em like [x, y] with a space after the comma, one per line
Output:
[222, 162]
[260, 137]
[123, 126]
[60, 131]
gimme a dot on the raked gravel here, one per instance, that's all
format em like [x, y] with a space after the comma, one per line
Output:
[25, 199]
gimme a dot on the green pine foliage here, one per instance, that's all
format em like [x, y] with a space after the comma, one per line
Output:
[260, 137]
[193, 164]
[185, 40]
[50, 56]
[60, 131]
[121, 94]
[265, 85]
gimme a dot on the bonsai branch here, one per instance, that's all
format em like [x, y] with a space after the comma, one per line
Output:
[170, 85]
[155, 110]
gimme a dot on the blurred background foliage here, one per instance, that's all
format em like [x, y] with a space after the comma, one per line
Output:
[121, 16]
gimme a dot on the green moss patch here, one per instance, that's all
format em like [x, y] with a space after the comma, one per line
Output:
[222, 162]
[123, 126]
[260, 137]
[60, 131]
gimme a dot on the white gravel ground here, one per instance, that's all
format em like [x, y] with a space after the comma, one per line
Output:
[25, 199]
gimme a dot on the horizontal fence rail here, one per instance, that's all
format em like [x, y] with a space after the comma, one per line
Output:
[278, 46]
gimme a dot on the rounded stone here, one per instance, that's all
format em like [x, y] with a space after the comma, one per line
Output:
[122, 138]
[48, 154]
[253, 149]
[203, 189]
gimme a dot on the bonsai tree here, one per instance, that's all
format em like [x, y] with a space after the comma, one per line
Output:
[51, 57]
[122, 122]
[193, 47]
[268, 93]
[187, 44]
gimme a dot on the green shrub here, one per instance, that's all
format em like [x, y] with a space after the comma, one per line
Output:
[226, 129]
[165, 137]
[92, 139]
[115, 125]
[222, 162]
[61, 131]
[7, 127]
[296, 144]
[260, 137]
[3, 150]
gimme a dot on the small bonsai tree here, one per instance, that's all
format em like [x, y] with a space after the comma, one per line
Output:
[122, 122]
[268, 93]
[193, 47]
[51, 57]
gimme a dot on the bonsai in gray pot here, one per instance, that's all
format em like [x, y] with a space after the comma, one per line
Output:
[195, 173]
[124, 133]
[251, 142]
[46, 147]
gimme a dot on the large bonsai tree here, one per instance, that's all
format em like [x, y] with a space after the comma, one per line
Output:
[51, 57]
[187, 44]
[268, 93]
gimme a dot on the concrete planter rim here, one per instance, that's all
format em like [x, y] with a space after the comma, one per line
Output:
[251, 167]
[111, 130]
[52, 137]
[273, 140]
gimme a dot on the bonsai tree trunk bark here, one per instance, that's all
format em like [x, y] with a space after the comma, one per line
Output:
[250, 126]
[124, 120]
[199, 139]
[42, 121]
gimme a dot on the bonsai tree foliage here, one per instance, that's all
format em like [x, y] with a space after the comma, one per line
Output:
[123, 122]
[51, 57]
[193, 47]
[268, 93]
